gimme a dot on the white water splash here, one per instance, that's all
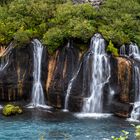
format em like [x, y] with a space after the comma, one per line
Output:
[100, 75]
[38, 99]
[92, 115]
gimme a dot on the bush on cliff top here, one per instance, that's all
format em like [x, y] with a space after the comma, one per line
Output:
[54, 22]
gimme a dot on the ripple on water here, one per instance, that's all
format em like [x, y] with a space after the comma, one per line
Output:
[60, 126]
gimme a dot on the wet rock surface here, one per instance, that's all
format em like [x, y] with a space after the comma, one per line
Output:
[16, 79]
[57, 70]
[61, 68]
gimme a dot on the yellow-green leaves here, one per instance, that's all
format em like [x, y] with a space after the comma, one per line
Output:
[112, 49]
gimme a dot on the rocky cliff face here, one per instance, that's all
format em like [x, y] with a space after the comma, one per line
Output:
[16, 77]
[61, 68]
[117, 93]
[57, 71]
[121, 83]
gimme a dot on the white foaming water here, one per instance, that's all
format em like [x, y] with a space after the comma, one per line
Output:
[134, 50]
[92, 115]
[100, 75]
[135, 54]
[123, 50]
[37, 90]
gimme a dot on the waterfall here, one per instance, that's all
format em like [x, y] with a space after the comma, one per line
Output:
[37, 90]
[135, 54]
[4, 57]
[69, 89]
[123, 50]
[100, 74]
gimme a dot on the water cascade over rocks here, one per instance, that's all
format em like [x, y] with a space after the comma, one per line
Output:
[4, 57]
[133, 52]
[37, 90]
[100, 75]
[96, 74]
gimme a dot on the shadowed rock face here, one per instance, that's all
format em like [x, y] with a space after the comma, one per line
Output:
[57, 70]
[16, 79]
[121, 78]
[121, 81]
[61, 68]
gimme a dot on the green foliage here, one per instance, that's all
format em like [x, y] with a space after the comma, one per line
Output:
[119, 21]
[70, 21]
[137, 134]
[55, 22]
[111, 49]
[137, 131]
[124, 136]
[3, 2]
[10, 109]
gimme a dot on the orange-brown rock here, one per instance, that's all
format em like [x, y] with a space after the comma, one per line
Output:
[61, 67]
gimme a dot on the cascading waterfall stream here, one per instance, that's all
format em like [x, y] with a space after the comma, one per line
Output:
[123, 50]
[4, 57]
[135, 54]
[37, 90]
[69, 89]
[100, 76]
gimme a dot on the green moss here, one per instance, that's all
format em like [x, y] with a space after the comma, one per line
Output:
[111, 49]
[10, 109]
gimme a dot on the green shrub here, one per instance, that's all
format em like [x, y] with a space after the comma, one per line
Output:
[111, 49]
[54, 22]
[137, 131]
[10, 109]
[124, 136]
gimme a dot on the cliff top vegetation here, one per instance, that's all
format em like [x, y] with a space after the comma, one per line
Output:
[55, 22]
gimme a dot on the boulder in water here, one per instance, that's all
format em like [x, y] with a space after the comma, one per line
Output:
[10, 109]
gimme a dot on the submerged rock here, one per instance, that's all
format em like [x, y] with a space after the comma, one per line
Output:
[10, 109]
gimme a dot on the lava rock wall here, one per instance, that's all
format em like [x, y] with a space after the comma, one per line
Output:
[61, 68]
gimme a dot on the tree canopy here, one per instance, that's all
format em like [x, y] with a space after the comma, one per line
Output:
[55, 22]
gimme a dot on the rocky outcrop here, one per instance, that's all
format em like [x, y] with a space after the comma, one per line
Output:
[56, 72]
[16, 79]
[116, 94]
[61, 68]
[122, 84]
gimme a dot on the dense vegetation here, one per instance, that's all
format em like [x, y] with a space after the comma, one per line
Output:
[55, 22]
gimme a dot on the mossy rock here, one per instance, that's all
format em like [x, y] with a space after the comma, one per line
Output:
[10, 109]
